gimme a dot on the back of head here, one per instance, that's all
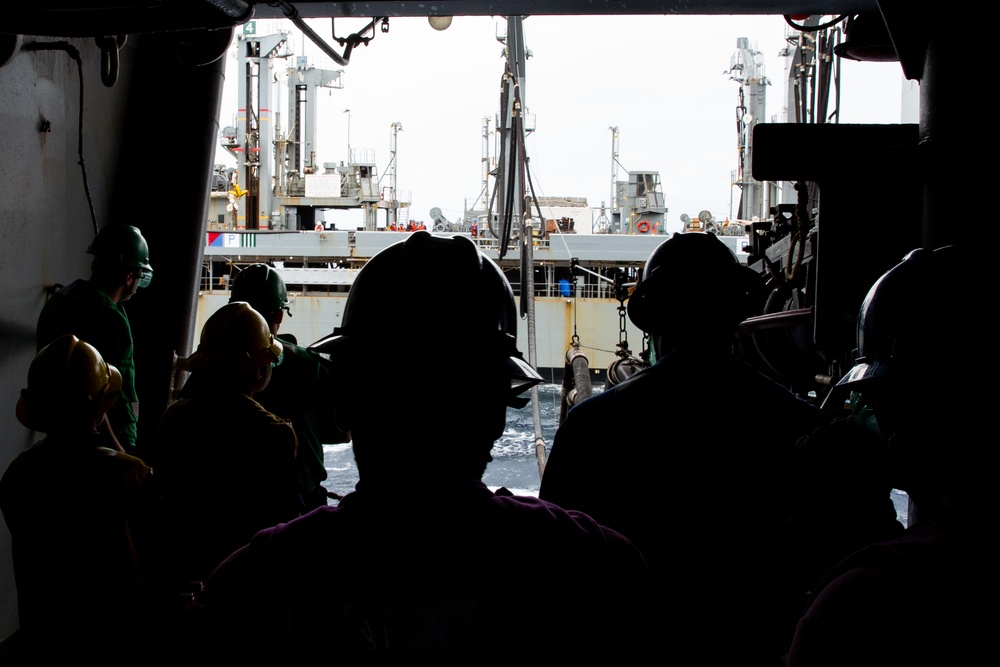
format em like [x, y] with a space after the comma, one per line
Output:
[235, 341]
[261, 287]
[432, 313]
[693, 287]
[121, 247]
[70, 386]
[427, 298]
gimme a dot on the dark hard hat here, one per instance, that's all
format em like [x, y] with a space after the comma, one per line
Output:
[235, 339]
[918, 314]
[440, 289]
[691, 277]
[122, 245]
[261, 287]
[66, 377]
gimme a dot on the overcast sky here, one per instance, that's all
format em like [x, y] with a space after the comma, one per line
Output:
[661, 80]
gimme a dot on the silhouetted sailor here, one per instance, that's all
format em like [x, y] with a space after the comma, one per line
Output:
[92, 310]
[226, 464]
[302, 383]
[425, 560]
[926, 597]
[688, 457]
[840, 479]
[82, 518]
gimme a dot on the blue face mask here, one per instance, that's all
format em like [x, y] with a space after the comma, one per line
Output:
[145, 277]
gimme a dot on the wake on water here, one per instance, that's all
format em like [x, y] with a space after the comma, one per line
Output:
[514, 464]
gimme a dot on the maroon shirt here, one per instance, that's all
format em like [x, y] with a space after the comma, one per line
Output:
[455, 570]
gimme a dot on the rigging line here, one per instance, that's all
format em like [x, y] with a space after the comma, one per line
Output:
[527, 270]
[558, 231]
[538, 207]
[531, 186]
[597, 349]
[601, 277]
[507, 221]
[501, 175]
[514, 168]
[519, 162]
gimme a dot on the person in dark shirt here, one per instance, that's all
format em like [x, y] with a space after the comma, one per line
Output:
[83, 518]
[226, 465]
[924, 597]
[689, 457]
[93, 310]
[430, 562]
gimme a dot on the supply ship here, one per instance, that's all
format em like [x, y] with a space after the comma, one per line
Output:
[583, 258]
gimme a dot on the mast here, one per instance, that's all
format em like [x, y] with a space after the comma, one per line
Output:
[615, 212]
[485, 168]
[512, 197]
[510, 165]
[746, 68]
[393, 207]
[253, 144]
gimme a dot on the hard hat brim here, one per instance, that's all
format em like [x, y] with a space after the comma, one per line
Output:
[522, 375]
[114, 380]
[861, 374]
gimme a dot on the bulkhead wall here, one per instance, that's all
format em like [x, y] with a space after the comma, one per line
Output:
[75, 155]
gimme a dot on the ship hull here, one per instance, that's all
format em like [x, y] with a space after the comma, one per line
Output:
[576, 297]
[596, 322]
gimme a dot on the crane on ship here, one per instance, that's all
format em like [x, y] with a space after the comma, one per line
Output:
[278, 163]
[640, 197]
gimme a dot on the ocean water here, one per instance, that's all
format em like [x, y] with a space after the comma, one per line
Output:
[514, 464]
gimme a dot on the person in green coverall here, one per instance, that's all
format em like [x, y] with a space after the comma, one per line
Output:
[301, 384]
[92, 310]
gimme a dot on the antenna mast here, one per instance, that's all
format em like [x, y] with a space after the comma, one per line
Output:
[393, 201]
[614, 169]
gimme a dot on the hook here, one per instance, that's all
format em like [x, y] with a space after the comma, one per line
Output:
[110, 46]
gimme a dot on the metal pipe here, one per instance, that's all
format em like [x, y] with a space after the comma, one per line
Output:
[578, 362]
[350, 41]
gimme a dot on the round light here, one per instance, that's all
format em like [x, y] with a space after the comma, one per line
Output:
[439, 22]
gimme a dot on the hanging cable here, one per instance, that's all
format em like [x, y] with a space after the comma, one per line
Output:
[44, 125]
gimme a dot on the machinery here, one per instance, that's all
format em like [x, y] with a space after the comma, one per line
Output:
[280, 181]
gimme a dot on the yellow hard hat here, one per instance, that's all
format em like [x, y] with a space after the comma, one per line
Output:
[68, 377]
[235, 339]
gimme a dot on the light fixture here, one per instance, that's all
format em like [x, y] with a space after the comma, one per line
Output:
[439, 22]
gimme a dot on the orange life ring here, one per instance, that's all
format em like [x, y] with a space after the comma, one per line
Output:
[643, 226]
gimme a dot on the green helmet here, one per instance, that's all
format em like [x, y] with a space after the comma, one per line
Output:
[261, 287]
[122, 245]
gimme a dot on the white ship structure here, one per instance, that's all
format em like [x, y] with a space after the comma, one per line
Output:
[269, 209]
